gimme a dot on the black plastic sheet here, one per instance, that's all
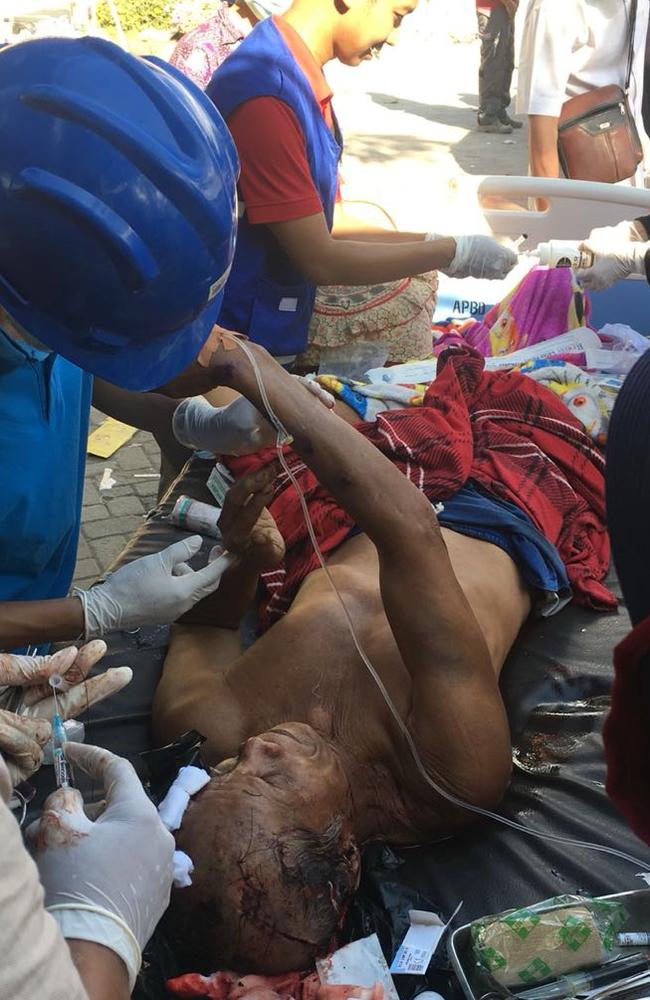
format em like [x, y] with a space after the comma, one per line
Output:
[555, 686]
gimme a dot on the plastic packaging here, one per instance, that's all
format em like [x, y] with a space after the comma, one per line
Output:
[196, 516]
[360, 962]
[352, 360]
[562, 253]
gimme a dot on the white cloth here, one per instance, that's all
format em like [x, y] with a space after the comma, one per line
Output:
[183, 868]
[571, 46]
[35, 957]
[171, 810]
[188, 781]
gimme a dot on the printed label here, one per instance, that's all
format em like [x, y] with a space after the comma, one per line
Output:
[422, 939]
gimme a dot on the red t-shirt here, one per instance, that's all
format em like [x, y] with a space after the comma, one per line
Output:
[275, 183]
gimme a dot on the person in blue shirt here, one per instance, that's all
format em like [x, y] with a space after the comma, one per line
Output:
[117, 227]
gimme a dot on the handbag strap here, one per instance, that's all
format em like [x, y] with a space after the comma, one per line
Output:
[630, 54]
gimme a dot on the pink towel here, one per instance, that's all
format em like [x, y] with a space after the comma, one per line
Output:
[545, 304]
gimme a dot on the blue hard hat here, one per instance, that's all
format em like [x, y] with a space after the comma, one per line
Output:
[117, 207]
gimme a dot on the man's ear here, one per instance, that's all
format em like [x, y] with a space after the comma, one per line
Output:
[343, 6]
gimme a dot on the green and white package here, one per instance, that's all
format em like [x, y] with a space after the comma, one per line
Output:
[527, 946]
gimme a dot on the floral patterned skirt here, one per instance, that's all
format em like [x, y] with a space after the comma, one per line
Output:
[396, 315]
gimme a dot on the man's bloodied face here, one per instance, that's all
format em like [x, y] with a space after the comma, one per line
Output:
[275, 864]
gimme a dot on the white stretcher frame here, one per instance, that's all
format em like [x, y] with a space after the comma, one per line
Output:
[575, 207]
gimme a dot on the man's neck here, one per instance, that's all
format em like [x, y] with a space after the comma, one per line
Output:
[314, 29]
[377, 809]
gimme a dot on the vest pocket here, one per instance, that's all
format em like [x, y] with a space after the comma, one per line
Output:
[280, 316]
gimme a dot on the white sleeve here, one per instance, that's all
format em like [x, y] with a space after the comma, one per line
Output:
[547, 43]
[35, 960]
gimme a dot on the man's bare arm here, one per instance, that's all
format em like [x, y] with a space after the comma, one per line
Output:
[457, 716]
[40, 621]
[327, 261]
[542, 146]
[148, 411]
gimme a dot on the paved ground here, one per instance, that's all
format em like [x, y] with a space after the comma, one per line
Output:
[408, 118]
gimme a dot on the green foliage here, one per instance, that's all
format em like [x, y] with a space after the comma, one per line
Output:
[137, 15]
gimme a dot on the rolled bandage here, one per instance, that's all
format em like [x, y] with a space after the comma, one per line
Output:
[527, 946]
[188, 782]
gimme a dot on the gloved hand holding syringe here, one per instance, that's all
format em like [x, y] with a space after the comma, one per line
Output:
[28, 705]
[98, 894]
[94, 889]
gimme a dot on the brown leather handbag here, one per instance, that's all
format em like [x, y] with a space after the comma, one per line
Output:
[597, 136]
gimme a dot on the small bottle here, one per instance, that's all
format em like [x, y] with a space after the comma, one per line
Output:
[563, 253]
[196, 516]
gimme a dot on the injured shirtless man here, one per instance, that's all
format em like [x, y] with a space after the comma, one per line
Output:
[308, 762]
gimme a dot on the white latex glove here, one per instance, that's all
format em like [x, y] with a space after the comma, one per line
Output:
[618, 253]
[480, 257]
[26, 728]
[153, 590]
[109, 880]
[236, 429]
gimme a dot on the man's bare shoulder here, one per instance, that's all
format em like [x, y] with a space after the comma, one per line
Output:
[494, 587]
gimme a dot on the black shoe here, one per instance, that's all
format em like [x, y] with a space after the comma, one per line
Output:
[505, 119]
[494, 125]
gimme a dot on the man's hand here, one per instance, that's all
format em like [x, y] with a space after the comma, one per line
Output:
[618, 253]
[153, 590]
[480, 257]
[118, 869]
[26, 728]
[511, 7]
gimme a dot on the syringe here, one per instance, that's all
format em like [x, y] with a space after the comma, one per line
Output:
[62, 773]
